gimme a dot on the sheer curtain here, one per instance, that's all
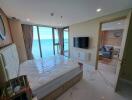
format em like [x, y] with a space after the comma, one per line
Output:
[28, 39]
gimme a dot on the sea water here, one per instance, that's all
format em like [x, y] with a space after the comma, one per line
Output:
[46, 48]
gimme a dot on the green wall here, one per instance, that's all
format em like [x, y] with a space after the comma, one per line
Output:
[126, 68]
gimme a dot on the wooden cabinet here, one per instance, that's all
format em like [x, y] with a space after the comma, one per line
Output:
[81, 56]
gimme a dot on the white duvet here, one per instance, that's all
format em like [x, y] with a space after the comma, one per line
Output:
[40, 71]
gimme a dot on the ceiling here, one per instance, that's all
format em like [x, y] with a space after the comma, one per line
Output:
[73, 11]
[114, 25]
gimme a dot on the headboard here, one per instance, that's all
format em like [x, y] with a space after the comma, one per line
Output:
[9, 62]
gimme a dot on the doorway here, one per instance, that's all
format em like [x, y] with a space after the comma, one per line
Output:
[111, 34]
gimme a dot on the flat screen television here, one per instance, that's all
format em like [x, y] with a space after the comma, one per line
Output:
[81, 42]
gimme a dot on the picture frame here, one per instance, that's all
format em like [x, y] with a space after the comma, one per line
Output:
[2, 29]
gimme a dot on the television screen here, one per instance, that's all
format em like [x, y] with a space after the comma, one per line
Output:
[81, 42]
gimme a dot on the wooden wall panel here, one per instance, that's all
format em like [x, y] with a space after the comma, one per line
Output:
[110, 39]
[17, 37]
[8, 39]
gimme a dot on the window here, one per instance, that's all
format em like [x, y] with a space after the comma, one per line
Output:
[35, 46]
[46, 42]
[42, 42]
[56, 42]
[66, 42]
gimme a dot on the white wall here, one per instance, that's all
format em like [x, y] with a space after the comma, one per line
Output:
[91, 29]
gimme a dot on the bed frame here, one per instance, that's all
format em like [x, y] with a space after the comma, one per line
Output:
[63, 88]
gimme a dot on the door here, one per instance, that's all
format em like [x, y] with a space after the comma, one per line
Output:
[121, 59]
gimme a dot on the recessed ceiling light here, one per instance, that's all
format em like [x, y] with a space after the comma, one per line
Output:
[98, 10]
[119, 23]
[51, 14]
[28, 19]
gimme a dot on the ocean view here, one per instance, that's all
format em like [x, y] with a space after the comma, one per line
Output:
[46, 47]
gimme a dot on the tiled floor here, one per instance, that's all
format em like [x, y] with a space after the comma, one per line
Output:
[91, 87]
[108, 70]
[125, 89]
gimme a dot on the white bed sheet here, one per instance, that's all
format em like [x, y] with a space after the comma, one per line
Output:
[45, 76]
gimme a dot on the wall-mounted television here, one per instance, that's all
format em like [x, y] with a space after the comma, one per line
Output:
[81, 42]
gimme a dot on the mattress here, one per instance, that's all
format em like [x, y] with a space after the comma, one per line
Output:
[46, 75]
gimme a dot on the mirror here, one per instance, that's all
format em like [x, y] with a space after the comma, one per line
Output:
[2, 29]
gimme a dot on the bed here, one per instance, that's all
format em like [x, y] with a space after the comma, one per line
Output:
[48, 78]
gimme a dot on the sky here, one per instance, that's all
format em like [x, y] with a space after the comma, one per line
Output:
[45, 33]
